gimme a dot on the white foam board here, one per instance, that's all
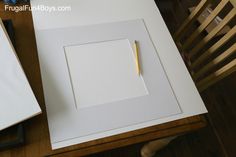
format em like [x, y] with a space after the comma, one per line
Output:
[17, 100]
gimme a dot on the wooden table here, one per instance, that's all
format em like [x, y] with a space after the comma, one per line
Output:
[37, 133]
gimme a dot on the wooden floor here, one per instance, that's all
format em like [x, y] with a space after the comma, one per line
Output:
[216, 140]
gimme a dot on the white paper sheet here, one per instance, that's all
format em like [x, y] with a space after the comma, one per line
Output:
[17, 101]
[104, 72]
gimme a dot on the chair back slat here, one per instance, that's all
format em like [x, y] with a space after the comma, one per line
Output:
[216, 76]
[222, 57]
[212, 34]
[233, 2]
[207, 21]
[214, 48]
[192, 17]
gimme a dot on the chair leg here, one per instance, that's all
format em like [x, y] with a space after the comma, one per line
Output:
[152, 147]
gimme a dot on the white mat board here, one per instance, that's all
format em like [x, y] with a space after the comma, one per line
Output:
[89, 123]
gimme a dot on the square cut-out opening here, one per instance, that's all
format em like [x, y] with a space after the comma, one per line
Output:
[103, 72]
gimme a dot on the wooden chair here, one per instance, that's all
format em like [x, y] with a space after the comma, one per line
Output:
[207, 64]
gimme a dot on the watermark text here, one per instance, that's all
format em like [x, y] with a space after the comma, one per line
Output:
[42, 8]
